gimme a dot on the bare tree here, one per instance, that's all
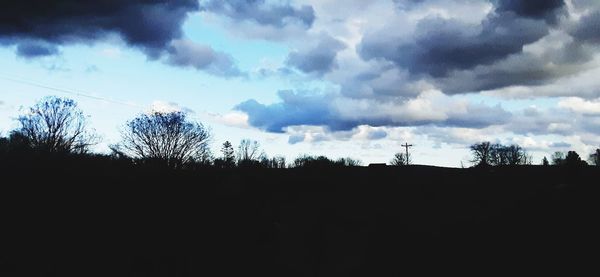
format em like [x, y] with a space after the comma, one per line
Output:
[278, 162]
[348, 162]
[248, 150]
[400, 159]
[558, 158]
[497, 154]
[527, 160]
[514, 155]
[56, 124]
[168, 137]
[482, 153]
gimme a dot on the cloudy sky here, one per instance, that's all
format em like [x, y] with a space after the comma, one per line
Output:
[341, 78]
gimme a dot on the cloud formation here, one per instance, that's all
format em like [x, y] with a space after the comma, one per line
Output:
[147, 25]
[316, 134]
[39, 28]
[582, 106]
[588, 28]
[441, 45]
[516, 43]
[319, 58]
[32, 49]
[261, 12]
[546, 9]
[339, 113]
[420, 63]
[186, 53]
[158, 106]
[386, 64]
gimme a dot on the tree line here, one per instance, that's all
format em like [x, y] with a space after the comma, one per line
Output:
[495, 154]
[57, 125]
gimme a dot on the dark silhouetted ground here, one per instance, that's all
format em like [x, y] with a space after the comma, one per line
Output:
[99, 217]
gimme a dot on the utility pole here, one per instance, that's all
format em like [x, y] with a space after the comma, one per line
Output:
[406, 145]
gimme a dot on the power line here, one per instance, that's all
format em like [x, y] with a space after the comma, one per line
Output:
[71, 92]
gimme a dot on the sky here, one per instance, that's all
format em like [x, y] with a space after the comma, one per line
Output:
[346, 78]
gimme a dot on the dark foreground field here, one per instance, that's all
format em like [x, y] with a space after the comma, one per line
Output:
[95, 217]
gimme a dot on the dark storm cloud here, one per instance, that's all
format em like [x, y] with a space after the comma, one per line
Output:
[261, 12]
[319, 59]
[547, 9]
[523, 69]
[147, 24]
[460, 57]
[588, 28]
[442, 45]
[543, 9]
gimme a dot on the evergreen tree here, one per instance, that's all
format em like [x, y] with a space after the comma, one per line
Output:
[228, 154]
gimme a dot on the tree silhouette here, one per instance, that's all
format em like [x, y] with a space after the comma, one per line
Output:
[323, 162]
[166, 137]
[545, 161]
[482, 153]
[56, 124]
[595, 158]
[558, 158]
[508, 155]
[228, 154]
[248, 151]
[486, 153]
[14, 143]
[312, 161]
[400, 159]
[348, 162]
[573, 159]
[278, 162]
[4, 145]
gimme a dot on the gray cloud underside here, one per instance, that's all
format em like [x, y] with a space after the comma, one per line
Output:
[321, 110]
[459, 57]
[588, 29]
[185, 53]
[462, 58]
[261, 12]
[442, 45]
[32, 49]
[318, 59]
[524, 69]
[545, 9]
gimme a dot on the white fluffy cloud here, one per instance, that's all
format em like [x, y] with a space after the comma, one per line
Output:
[578, 105]
[158, 106]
